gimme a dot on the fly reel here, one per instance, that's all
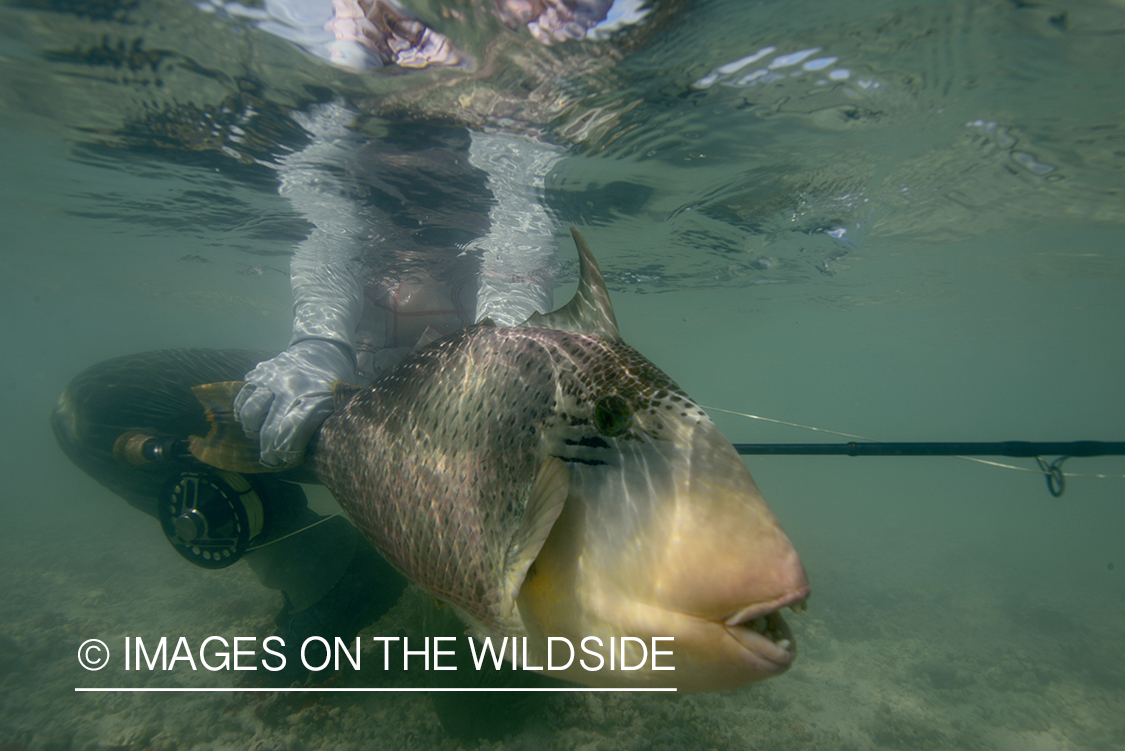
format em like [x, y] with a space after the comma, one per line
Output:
[210, 516]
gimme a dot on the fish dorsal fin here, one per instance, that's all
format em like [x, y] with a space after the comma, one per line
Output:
[589, 311]
[342, 392]
[548, 495]
[487, 323]
[225, 446]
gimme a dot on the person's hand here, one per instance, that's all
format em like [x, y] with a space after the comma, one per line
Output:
[286, 399]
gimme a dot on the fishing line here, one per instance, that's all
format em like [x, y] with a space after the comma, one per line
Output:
[296, 532]
[790, 424]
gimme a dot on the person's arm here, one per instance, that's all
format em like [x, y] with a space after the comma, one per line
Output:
[517, 253]
[287, 398]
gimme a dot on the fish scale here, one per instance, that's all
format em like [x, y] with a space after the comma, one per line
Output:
[465, 421]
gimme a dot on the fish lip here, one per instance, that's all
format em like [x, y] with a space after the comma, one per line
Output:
[765, 654]
[770, 656]
[758, 609]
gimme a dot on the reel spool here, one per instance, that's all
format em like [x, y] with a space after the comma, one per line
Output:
[210, 516]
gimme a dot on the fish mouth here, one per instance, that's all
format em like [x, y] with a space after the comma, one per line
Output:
[761, 631]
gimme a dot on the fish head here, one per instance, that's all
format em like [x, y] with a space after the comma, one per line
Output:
[664, 535]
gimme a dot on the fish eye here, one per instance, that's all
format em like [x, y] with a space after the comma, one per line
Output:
[611, 415]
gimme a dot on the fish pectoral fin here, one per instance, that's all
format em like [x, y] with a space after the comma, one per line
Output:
[548, 495]
[589, 311]
[225, 446]
[342, 392]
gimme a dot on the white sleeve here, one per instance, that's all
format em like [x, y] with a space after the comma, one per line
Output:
[516, 254]
[326, 267]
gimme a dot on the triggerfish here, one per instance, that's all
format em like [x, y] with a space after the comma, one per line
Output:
[549, 482]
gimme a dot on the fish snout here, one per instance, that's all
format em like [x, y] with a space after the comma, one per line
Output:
[724, 556]
[730, 571]
[729, 567]
[726, 563]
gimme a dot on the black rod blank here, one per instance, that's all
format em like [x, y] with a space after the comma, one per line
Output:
[997, 448]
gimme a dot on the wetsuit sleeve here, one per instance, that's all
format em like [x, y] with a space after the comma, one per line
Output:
[517, 253]
[326, 267]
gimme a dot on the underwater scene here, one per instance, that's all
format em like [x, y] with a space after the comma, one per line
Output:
[797, 223]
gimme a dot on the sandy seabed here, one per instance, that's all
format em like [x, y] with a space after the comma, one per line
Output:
[940, 666]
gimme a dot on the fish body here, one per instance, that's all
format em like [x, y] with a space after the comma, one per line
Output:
[548, 480]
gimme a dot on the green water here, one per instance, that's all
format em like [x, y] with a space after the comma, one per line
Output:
[931, 248]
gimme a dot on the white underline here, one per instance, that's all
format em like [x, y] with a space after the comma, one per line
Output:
[330, 690]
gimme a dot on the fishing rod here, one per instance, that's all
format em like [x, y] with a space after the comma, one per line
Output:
[1056, 480]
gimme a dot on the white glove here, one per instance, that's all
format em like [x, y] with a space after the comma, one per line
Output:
[286, 399]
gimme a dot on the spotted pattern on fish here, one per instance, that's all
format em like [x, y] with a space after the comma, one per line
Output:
[435, 461]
